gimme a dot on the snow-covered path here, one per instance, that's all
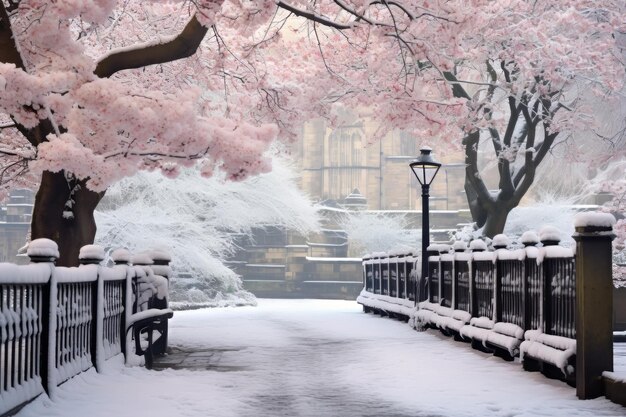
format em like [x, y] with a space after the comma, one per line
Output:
[315, 358]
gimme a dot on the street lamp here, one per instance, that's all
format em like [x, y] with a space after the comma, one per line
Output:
[425, 168]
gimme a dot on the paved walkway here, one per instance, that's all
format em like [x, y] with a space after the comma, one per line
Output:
[196, 360]
[312, 358]
[200, 359]
[315, 358]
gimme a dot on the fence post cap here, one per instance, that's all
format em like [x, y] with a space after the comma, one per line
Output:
[91, 254]
[478, 245]
[43, 250]
[459, 246]
[594, 223]
[160, 256]
[142, 258]
[500, 241]
[438, 248]
[529, 238]
[121, 256]
[549, 235]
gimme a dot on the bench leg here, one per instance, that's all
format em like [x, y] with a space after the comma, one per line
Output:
[148, 352]
[160, 345]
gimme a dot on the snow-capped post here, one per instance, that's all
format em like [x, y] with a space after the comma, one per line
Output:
[161, 266]
[93, 255]
[533, 281]
[433, 270]
[122, 257]
[548, 236]
[43, 250]
[39, 251]
[161, 259]
[594, 302]
[500, 243]
[462, 273]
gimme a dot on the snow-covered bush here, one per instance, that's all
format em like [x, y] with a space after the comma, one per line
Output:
[196, 221]
[559, 215]
[378, 232]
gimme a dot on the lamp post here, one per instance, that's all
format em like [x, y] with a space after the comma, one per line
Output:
[425, 168]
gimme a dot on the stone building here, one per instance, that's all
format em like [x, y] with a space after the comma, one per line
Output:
[336, 161]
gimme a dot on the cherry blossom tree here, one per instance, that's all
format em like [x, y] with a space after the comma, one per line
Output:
[515, 76]
[96, 90]
[92, 93]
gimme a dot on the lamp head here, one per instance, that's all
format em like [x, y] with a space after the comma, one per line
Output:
[425, 167]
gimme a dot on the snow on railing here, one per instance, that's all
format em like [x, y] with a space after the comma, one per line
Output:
[491, 296]
[56, 322]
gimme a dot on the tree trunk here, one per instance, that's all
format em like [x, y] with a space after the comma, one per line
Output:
[48, 221]
[496, 220]
[477, 208]
[490, 215]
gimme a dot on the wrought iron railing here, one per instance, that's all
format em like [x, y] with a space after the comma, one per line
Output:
[56, 322]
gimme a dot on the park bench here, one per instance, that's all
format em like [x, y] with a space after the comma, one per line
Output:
[149, 322]
[150, 312]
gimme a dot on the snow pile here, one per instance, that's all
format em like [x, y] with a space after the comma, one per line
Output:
[592, 219]
[556, 350]
[549, 233]
[477, 328]
[121, 256]
[484, 256]
[43, 248]
[478, 245]
[141, 258]
[500, 241]
[34, 273]
[438, 247]
[160, 255]
[94, 252]
[386, 303]
[459, 246]
[439, 316]
[529, 237]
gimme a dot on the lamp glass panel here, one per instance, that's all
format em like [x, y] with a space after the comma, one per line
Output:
[429, 174]
[418, 170]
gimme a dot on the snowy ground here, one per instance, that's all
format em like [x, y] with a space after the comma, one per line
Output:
[316, 358]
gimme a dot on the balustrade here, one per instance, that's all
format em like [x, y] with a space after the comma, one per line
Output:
[56, 322]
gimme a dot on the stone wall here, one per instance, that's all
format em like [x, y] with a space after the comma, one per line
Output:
[287, 265]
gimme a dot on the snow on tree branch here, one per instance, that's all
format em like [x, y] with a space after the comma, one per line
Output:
[199, 220]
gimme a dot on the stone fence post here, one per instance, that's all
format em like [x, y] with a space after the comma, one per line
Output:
[46, 251]
[594, 302]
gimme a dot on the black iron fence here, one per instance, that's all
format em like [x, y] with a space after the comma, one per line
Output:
[532, 288]
[56, 322]
[394, 276]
